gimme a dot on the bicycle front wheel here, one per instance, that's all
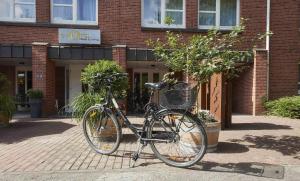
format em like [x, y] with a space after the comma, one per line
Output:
[179, 138]
[101, 130]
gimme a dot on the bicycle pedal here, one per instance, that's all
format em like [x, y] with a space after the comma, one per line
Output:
[135, 156]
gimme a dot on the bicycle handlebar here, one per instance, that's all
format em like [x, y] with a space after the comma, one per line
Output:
[98, 75]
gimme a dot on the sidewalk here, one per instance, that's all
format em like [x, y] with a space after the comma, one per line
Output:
[256, 147]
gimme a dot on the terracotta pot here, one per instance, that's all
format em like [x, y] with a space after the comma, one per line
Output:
[212, 131]
[106, 132]
[4, 120]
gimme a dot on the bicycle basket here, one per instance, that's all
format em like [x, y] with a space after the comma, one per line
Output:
[179, 96]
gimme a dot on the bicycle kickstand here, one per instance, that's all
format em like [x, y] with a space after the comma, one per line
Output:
[136, 155]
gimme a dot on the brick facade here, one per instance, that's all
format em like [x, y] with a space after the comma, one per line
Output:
[43, 76]
[120, 24]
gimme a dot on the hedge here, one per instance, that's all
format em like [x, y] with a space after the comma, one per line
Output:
[284, 107]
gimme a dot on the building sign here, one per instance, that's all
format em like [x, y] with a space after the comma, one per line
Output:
[79, 36]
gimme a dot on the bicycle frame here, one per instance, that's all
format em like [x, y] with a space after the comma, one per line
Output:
[150, 111]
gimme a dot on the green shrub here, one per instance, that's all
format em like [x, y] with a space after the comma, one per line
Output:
[7, 104]
[83, 101]
[97, 87]
[4, 84]
[206, 117]
[105, 68]
[35, 94]
[284, 107]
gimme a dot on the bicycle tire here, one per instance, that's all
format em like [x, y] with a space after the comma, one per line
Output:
[165, 158]
[115, 124]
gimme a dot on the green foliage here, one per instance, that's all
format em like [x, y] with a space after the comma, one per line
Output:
[284, 107]
[204, 54]
[82, 102]
[97, 87]
[7, 105]
[206, 117]
[105, 68]
[4, 84]
[35, 94]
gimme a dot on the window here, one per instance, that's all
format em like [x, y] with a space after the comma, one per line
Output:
[222, 14]
[17, 10]
[154, 13]
[75, 11]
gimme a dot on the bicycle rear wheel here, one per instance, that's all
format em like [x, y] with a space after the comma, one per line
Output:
[101, 130]
[181, 139]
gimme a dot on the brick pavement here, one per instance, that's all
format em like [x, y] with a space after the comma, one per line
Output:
[59, 145]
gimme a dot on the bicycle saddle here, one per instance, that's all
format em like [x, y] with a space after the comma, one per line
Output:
[156, 86]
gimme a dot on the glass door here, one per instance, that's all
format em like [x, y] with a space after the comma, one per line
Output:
[139, 95]
[23, 84]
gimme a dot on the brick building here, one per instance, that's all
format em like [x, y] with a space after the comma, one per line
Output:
[44, 44]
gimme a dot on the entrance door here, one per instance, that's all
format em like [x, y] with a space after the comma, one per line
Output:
[23, 84]
[140, 94]
[73, 83]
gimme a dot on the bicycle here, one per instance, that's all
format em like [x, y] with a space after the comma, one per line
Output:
[176, 136]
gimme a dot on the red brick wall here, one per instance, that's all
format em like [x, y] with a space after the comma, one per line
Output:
[259, 81]
[120, 23]
[119, 54]
[43, 77]
[285, 48]
[242, 92]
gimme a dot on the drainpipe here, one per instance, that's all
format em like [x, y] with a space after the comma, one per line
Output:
[268, 45]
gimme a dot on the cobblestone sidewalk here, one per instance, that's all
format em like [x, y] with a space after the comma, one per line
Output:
[58, 145]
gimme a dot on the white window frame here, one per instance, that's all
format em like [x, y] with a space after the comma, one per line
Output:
[163, 14]
[74, 12]
[13, 18]
[218, 12]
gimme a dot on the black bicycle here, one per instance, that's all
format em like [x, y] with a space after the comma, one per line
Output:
[176, 136]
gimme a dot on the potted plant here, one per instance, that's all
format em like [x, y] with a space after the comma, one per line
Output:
[7, 106]
[212, 128]
[96, 91]
[35, 101]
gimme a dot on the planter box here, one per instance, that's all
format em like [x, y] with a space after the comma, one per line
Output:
[212, 131]
[35, 108]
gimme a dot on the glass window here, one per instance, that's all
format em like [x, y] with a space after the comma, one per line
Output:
[228, 13]
[156, 11]
[5, 8]
[223, 14]
[74, 11]
[17, 10]
[152, 12]
[86, 10]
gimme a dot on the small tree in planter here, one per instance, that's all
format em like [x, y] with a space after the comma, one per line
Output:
[203, 55]
[7, 105]
[35, 101]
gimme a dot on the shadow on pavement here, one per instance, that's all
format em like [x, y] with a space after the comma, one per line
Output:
[258, 126]
[129, 138]
[227, 147]
[287, 145]
[21, 130]
[247, 168]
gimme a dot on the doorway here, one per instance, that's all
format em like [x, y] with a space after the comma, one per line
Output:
[23, 84]
[139, 94]
[73, 85]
